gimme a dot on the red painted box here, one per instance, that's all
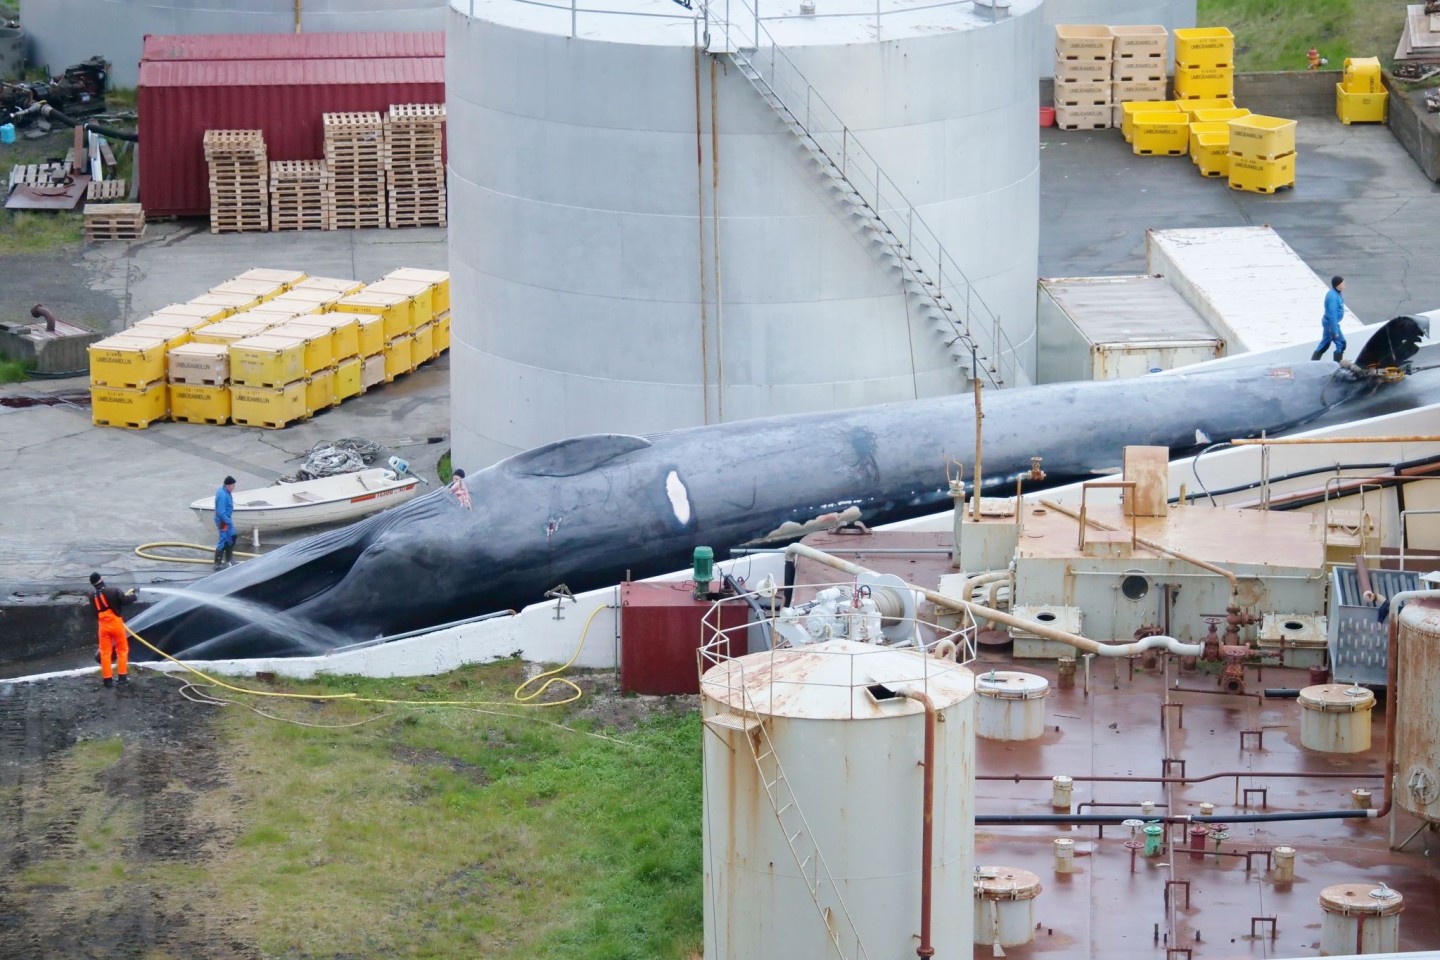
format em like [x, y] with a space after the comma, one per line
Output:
[660, 632]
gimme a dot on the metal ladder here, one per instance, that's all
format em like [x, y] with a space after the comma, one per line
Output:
[824, 891]
[977, 351]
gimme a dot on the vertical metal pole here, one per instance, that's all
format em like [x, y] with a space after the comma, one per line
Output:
[910, 230]
[939, 268]
[808, 88]
[572, 19]
[844, 147]
[877, 188]
[877, 19]
[757, 24]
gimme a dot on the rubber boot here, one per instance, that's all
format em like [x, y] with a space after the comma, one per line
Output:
[219, 557]
[107, 683]
[123, 680]
[1317, 354]
[1339, 357]
[230, 554]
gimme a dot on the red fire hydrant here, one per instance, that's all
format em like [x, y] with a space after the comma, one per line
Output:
[1314, 57]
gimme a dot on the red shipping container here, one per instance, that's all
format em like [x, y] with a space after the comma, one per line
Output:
[179, 100]
[293, 46]
[660, 632]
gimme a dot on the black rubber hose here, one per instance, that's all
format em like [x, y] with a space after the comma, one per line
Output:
[1281, 693]
[50, 111]
[760, 616]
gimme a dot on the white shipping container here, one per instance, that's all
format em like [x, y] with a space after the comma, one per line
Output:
[1109, 328]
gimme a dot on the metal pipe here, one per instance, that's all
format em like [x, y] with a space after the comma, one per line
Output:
[1109, 819]
[40, 311]
[1258, 774]
[1281, 693]
[1080, 807]
[980, 612]
[927, 829]
[979, 418]
[1153, 545]
[1298, 441]
[1224, 693]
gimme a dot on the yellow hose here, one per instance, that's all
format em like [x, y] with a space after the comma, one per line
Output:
[142, 551]
[517, 697]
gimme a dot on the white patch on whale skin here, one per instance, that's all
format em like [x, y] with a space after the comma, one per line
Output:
[679, 497]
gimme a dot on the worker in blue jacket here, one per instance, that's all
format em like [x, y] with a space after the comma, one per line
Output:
[1330, 326]
[225, 524]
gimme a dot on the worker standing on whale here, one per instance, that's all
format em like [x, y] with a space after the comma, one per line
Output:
[1330, 324]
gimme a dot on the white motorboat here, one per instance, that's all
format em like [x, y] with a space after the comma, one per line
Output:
[313, 503]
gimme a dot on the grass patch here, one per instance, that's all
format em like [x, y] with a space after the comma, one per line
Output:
[1276, 34]
[464, 833]
[445, 468]
[14, 371]
[34, 231]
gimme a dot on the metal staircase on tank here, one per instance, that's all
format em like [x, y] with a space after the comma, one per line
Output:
[971, 333]
[824, 891]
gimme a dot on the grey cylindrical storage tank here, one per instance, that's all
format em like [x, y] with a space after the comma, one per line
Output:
[1167, 13]
[1417, 711]
[66, 33]
[594, 291]
[12, 51]
[815, 756]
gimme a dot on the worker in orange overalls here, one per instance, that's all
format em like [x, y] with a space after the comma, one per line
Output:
[107, 602]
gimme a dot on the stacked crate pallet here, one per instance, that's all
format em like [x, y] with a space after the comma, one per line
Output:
[1082, 76]
[199, 383]
[1137, 68]
[1262, 153]
[414, 164]
[127, 380]
[1361, 97]
[299, 195]
[1204, 63]
[239, 181]
[355, 159]
[114, 221]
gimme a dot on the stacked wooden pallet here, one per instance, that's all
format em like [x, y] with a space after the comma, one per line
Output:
[299, 195]
[355, 158]
[239, 181]
[105, 190]
[415, 165]
[114, 221]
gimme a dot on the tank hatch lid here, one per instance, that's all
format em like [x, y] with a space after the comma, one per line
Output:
[1005, 883]
[1367, 899]
[1011, 685]
[835, 680]
[1336, 698]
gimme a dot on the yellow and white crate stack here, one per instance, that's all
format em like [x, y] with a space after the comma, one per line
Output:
[1137, 67]
[1082, 76]
[1262, 153]
[1361, 97]
[1204, 63]
[127, 380]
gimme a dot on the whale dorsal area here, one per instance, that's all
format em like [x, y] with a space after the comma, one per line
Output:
[566, 458]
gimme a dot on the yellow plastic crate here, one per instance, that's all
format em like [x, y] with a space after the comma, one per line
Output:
[319, 343]
[283, 278]
[199, 364]
[267, 360]
[1160, 134]
[372, 334]
[268, 315]
[1258, 137]
[320, 391]
[1362, 75]
[442, 334]
[392, 308]
[260, 289]
[346, 330]
[1192, 107]
[1204, 46]
[201, 313]
[1196, 129]
[228, 331]
[173, 336]
[347, 378]
[1080, 41]
[422, 344]
[298, 304]
[127, 361]
[399, 358]
[198, 403]
[1211, 153]
[272, 407]
[333, 284]
[421, 294]
[1220, 116]
[132, 407]
[1128, 111]
[1204, 83]
[1261, 176]
[438, 279]
[234, 302]
[1360, 107]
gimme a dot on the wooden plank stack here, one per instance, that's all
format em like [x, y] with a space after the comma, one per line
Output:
[105, 190]
[114, 221]
[414, 164]
[39, 174]
[239, 181]
[355, 158]
[299, 195]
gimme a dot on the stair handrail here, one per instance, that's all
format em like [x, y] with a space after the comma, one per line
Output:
[859, 166]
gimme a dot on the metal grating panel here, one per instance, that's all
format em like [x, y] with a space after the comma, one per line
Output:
[1356, 637]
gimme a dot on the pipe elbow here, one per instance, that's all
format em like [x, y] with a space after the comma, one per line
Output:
[42, 312]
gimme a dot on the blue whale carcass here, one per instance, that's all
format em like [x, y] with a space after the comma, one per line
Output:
[588, 511]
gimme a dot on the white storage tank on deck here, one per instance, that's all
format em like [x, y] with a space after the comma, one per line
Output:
[75, 30]
[1335, 718]
[1011, 705]
[1417, 717]
[1360, 918]
[829, 728]
[639, 243]
[1005, 906]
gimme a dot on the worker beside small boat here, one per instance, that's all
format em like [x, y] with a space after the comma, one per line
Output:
[457, 487]
[225, 524]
